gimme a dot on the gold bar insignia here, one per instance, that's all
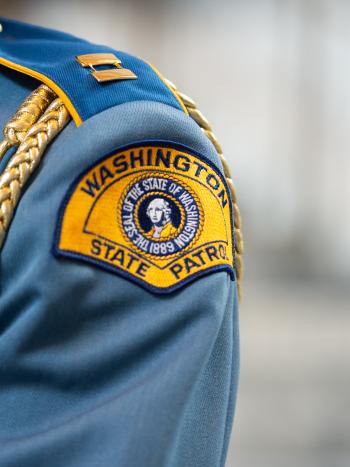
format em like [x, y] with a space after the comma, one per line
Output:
[101, 59]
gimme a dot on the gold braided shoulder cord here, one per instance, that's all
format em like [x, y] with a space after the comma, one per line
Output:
[36, 123]
[34, 126]
[198, 117]
[29, 112]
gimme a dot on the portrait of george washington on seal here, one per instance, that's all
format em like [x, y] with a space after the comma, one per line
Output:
[159, 212]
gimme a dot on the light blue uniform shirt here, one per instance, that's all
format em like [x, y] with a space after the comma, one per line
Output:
[95, 370]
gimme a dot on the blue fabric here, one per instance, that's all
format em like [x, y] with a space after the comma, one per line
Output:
[16, 87]
[94, 370]
[53, 53]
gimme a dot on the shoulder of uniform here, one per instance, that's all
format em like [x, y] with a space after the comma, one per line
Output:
[89, 78]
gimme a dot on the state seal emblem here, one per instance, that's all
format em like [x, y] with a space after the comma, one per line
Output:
[159, 215]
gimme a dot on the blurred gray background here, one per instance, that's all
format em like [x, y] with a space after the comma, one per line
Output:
[273, 76]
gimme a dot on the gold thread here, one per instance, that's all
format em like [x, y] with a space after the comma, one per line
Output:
[26, 159]
[28, 113]
[4, 147]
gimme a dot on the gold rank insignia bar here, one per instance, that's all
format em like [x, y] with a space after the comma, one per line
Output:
[102, 59]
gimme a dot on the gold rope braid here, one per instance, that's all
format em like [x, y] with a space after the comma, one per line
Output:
[207, 130]
[32, 108]
[27, 158]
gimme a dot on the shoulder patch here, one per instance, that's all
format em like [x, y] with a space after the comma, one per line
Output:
[157, 214]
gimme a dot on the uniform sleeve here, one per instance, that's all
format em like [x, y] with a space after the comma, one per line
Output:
[101, 365]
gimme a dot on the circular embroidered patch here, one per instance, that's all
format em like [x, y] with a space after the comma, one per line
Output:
[160, 215]
[154, 213]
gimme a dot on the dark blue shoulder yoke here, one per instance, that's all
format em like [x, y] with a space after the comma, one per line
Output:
[50, 57]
